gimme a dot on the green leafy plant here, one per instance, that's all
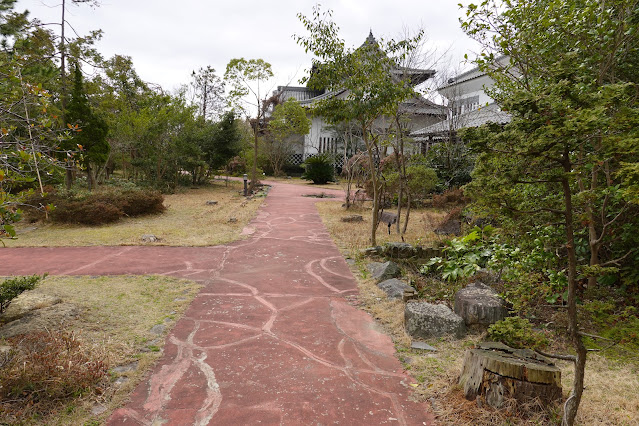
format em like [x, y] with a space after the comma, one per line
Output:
[462, 256]
[517, 332]
[319, 169]
[13, 287]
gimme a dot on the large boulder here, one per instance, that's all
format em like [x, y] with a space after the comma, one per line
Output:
[372, 251]
[53, 317]
[427, 252]
[399, 250]
[27, 302]
[383, 271]
[395, 288]
[451, 225]
[479, 305]
[425, 320]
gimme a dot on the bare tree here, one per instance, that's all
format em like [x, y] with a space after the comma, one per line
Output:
[208, 91]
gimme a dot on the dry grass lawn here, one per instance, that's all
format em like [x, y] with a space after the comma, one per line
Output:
[188, 221]
[117, 314]
[611, 396]
[353, 236]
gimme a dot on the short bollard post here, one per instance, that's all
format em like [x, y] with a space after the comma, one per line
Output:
[245, 185]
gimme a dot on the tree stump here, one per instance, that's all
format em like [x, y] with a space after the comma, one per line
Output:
[479, 305]
[494, 372]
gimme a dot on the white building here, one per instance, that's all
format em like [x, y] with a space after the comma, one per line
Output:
[468, 106]
[323, 137]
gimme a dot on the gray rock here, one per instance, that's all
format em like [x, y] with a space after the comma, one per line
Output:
[125, 368]
[121, 380]
[399, 250]
[427, 252]
[158, 329]
[423, 346]
[394, 288]
[211, 203]
[372, 251]
[353, 218]
[52, 317]
[479, 305]
[409, 294]
[27, 302]
[232, 220]
[98, 409]
[425, 320]
[383, 271]
[486, 277]
[150, 238]
[451, 225]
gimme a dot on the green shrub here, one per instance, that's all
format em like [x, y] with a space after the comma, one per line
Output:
[517, 332]
[13, 287]
[420, 180]
[319, 169]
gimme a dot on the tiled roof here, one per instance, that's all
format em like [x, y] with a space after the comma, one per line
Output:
[488, 114]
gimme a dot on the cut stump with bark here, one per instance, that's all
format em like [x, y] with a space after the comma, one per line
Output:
[494, 372]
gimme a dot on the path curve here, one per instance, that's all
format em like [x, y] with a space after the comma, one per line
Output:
[269, 339]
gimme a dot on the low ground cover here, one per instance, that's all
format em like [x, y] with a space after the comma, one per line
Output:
[612, 379]
[187, 221]
[120, 328]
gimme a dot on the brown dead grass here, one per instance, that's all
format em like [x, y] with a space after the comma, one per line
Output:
[188, 221]
[353, 236]
[118, 313]
[611, 396]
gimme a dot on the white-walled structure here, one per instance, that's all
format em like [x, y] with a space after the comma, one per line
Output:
[468, 106]
[323, 137]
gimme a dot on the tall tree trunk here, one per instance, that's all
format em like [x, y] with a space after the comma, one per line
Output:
[63, 57]
[594, 242]
[254, 171]
[349, 168]
[375, 183]
[408, 201]
[90, 180]
[572, 404]
[68, 176]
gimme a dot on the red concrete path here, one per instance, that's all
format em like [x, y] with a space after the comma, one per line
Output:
[270, 339]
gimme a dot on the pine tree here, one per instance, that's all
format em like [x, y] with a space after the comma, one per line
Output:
[90, 130]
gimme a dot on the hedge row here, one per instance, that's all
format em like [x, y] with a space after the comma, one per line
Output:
[96, 208]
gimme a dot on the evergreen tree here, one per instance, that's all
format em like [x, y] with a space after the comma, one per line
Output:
[90, 130]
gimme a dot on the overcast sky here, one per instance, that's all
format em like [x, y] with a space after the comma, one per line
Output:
[169, 39]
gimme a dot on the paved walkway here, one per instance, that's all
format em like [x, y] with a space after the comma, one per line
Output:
[270, 339]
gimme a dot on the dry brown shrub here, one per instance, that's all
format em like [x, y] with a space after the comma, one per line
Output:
[453, 197]
[45, 369]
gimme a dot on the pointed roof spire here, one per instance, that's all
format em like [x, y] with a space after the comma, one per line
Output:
[371, 39]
